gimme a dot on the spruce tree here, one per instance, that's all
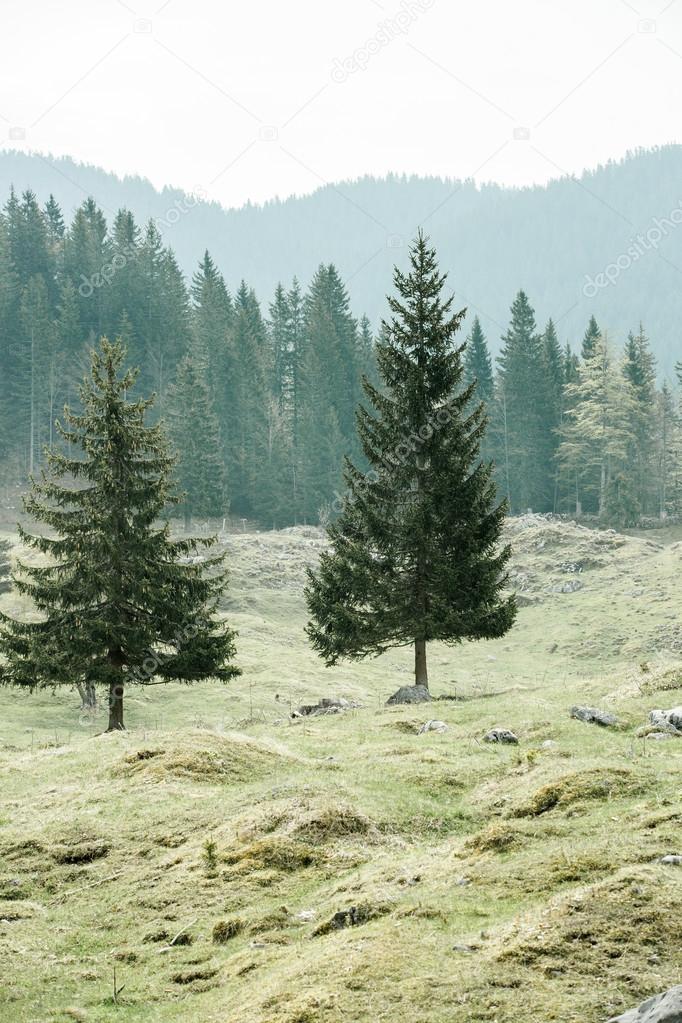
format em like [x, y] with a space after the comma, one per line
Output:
[590, 339]
[245, 417]
[478, 365]
[598, 433]
[9, 301]
[553, 408]
[415, 551]
[116, 601]
[194, 433]
[522, 401]
[639, 366]
[668, 454]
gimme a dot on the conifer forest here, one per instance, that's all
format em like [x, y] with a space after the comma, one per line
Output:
[259, 393]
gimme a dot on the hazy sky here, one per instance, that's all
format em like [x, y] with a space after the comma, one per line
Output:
[251, 100]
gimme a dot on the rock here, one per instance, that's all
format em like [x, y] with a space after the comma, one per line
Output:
[466, 949]
[548, 744]
[671, 860]
[463, 882]
[501, 735]
[665, 1008]
[355, 916]
[409, 694]
[433, 726]
[594, 716]
[659, 736]
[572, 586]
[334, 705]
[306, 915]
[667, 720]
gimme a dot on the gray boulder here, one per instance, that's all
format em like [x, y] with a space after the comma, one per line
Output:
[667, 720]
[665, 1008]
[503, 735]
[594, 716]
[409, 694]
[433, 726]
[333, 705]
[672, 860]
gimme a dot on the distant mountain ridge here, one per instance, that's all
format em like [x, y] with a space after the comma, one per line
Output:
[607, 243]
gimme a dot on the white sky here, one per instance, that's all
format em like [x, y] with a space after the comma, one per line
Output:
[243, 99]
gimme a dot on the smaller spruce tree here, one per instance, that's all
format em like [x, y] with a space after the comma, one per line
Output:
[119, 601]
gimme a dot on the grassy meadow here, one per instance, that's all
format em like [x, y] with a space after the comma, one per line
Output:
[221, 862]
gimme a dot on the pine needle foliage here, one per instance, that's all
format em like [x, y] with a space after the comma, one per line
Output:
[415, 552]
[117, 600]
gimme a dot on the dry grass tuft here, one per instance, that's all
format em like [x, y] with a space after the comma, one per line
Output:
[277, 852]
[597, 783]
[496, 837]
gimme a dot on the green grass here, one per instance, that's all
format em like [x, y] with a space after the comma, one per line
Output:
[489, 883]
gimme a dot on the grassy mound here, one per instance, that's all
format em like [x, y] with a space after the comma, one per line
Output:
[226, 759]
[598, 783]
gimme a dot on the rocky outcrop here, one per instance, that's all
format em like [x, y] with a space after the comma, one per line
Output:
[667, 720]
[665, 1008]
[594, 716]
[333, 705]
[433, 726]
[503, 735]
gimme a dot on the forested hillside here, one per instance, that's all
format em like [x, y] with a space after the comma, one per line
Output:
[552, 241]
[259, 392]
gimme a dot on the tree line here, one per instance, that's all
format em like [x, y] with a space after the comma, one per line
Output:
[580, 433]
[261, 405]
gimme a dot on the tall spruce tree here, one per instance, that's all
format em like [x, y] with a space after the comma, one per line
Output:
[117, 603]
[639, 367]
[553, 408]
[668, 454]
[194, 433]
[523, 435]
[415, 552]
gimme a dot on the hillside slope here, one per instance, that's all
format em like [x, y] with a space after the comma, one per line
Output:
[230, 862]
[492, 240]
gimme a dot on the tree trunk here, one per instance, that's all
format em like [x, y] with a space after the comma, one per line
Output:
[88, 695]
[116, 707]
[421, 676]
[116, 660]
